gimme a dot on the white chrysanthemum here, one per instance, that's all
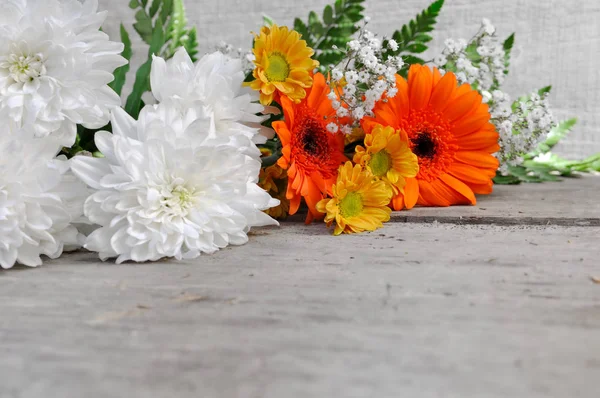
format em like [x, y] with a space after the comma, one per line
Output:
[162, 197]
[213, 88]
[35, 218]
[55, 65]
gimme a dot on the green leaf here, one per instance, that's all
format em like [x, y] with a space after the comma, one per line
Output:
[167, 10]
[336, 29]
[411, 38]
[177, 27]
[154, 7]
[544, 90]
[506, 180]
[143, 26]
[133, 4]
[301, 28]
[416, 48]
[508, 45]
[556, 134]
[408, 61]
[328, 15]
[142, 77]
[121, 72]
[267, 20]
[191, 44]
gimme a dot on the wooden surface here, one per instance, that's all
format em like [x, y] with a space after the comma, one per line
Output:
[412, 310]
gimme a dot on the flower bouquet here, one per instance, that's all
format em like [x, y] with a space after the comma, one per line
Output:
[326, 115]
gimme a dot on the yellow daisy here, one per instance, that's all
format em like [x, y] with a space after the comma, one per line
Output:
[359, 203]
[283, 64]
[387, 156]
[273, 179]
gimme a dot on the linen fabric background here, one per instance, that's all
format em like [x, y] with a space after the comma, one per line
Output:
[557, 42]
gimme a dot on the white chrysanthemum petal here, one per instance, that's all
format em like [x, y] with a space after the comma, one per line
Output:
[212, 91]
[159, 196]
[39, 201]
[55, 65]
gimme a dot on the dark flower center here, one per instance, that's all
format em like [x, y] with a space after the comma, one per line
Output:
[423, 146]
[313, 138]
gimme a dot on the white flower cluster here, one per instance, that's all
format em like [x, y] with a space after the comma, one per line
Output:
[39, 201]
[521, 125]
[55, 65]
[362, 78]
[480, 62]
[181, 180]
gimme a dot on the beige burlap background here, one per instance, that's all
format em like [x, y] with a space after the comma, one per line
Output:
[557, 42]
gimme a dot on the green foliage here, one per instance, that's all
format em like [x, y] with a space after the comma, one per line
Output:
[171, 15]
[121, 72]
[508, 45]
[549, 167]
[412, 39]
[267, 20]
[142, 78]
[328, 36]
[163, 25]
[178, 33]
[559, 132]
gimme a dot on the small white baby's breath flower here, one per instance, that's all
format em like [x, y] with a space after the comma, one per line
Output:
[351, 77]
[332, 127]
[358, 113]
[354, 45]
[337, 74]
[342, 112]
[346, 129]
[392, 45]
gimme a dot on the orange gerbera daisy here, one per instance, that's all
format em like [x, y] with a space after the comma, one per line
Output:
[450, 132]
[283, 64]
[310, 154]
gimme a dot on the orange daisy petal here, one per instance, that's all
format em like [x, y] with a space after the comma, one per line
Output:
[420, 83]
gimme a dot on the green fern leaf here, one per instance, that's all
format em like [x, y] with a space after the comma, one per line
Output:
[559, 132]
[142, 77]
[412, 38]
[508, 45]
[191, 44]
[336, 28]
[177, 26]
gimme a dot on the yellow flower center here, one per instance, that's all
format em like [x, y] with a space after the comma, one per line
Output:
[278, 69]
[351, 205]
[380, 163]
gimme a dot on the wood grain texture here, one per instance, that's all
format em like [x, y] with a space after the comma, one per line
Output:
[408, 311]
[558, 42]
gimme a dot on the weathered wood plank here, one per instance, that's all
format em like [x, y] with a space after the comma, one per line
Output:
[408, 311]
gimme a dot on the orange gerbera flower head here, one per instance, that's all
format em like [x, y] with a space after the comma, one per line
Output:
[311, 154]
[283, 64]
[388, 157]
[449, 130]
[359, 202]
